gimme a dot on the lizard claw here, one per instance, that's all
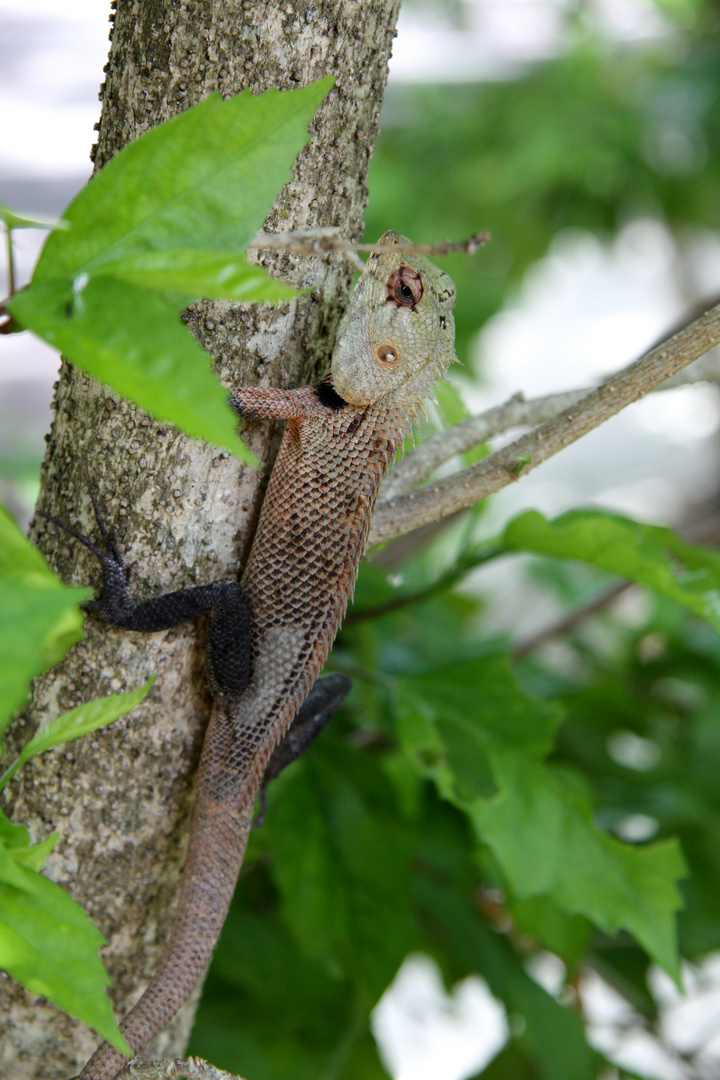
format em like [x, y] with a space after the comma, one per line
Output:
[115, 596]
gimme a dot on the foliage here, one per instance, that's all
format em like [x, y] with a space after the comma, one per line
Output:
[648, 554]
[157, 228]
[443, 779]
[47, 942]
[590, 140]
[507, 799]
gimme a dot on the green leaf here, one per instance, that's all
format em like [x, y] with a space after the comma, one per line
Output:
[159, 226]
[474, 722]
[40, 623]
[345, 889]
[49, 945]
[270, 1012]
[133, 340]
[15, 839]
[205, 179]
[40, 616]
[14, 220]
[649, 554]
[79, 721]
[548, 845]
[192, 271]
[565, 935]
[18, 557]
[12, 836]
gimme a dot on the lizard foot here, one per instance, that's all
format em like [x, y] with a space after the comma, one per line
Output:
[115, 597]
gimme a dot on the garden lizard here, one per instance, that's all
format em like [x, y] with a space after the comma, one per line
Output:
[269, 636]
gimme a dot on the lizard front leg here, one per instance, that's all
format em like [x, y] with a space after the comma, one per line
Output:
[229, 637]
[268, 403]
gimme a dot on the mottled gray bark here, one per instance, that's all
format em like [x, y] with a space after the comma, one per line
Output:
[121, 798]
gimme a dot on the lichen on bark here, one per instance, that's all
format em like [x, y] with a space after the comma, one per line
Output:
[121, 797]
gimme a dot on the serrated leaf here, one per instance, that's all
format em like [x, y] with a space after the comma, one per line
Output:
[49, 945]
[205, 179]
[132, 339]
[649, 554]
[79, 721]
[167, 220]
[541, 833]
[548, 845]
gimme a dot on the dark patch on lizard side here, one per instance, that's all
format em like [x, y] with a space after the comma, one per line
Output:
[328, 396]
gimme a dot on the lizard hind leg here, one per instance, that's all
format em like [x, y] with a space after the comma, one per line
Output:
[325, 698]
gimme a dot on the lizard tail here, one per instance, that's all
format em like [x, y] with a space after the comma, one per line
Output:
[221, 823]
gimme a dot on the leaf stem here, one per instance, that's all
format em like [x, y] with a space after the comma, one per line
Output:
[11, 261]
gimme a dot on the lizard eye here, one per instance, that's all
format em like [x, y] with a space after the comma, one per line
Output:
[404, 287]
[386, 354]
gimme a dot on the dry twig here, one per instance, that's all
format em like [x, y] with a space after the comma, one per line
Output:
[401, 513]
[516, 412]
[326, 241]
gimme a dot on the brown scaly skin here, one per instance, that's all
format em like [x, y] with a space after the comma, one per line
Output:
[269, 638]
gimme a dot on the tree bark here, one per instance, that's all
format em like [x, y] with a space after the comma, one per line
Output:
[121, 798]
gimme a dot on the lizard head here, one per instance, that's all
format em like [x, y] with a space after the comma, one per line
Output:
[396, 339]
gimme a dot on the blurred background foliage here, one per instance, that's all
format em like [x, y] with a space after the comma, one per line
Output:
[361, 862]
[591, 140]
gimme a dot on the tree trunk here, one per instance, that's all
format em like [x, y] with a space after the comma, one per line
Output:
[121, 798]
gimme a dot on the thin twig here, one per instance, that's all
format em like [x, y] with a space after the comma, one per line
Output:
[402, 513]
[569, 621]
[417, 465]
[467, 562]
[192, 1068]
[326, 241]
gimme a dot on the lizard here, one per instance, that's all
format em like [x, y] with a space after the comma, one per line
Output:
[269, 635]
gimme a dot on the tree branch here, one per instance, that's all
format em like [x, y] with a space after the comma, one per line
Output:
[516, 412]
[570, 620]
[402, 513]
